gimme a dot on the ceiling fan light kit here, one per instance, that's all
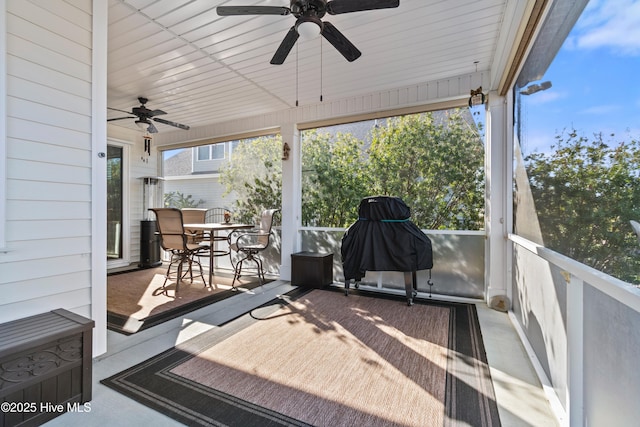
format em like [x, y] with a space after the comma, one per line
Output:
[143, 124]
[309, 28]
[308, 12]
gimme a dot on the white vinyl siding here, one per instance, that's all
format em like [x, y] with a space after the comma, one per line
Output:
[201, 187]
[3, 124]
[47, 263]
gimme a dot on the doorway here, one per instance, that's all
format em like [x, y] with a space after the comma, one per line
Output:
[117, 219]
[114, 202]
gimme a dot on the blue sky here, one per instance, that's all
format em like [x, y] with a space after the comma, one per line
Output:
[595, 79]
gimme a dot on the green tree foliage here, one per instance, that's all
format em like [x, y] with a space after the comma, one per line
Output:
[435, 163]
[254, 174]
[333, 179]
[176, 199]
[585, 192]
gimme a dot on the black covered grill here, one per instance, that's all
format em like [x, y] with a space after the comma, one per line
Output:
[384, 239]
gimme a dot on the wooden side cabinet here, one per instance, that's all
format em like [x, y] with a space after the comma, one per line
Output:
[45, 367]
[311, 269]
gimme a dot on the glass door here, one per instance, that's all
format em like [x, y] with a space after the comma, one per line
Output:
[114, 202]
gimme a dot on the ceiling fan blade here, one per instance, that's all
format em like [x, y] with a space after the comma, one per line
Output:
[167, 122]
[120, 118]
[156, 113]
[340, 42]
[252, 10]
[122, 111]
[336, 7]
[285, 47]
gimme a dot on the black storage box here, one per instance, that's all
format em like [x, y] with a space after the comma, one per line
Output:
[311, 269]
[45, 367]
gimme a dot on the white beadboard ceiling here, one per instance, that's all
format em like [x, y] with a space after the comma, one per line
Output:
[202, 68]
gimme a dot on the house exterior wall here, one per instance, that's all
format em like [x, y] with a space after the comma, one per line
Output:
[204, 188]
[208, 165]
[47, 259]
[201, 179]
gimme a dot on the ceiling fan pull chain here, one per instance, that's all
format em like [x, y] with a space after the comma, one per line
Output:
[296, 75]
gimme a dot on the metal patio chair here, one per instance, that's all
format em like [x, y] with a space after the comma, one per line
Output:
[175, 241]
[194, 216]
[250, 243]
[218, 216]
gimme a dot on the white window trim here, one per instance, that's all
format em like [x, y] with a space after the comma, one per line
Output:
[198, 159]
[210, 155]
[224, 150]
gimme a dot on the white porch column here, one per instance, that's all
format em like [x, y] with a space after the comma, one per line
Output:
[497, 188]
[291, 198]
[98, 177]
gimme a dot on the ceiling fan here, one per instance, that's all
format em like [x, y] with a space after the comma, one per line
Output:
[144, 115]
[309, 13]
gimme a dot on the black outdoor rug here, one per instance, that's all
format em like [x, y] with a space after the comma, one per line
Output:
[181, 382]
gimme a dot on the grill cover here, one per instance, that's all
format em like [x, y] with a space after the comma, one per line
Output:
[384, 239]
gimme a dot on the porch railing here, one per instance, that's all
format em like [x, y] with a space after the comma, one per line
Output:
[458, 269]
[582, 329]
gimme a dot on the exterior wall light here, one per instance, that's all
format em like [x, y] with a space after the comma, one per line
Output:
[477, 97]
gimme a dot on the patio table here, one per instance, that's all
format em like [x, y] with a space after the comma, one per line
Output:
[213, 228]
